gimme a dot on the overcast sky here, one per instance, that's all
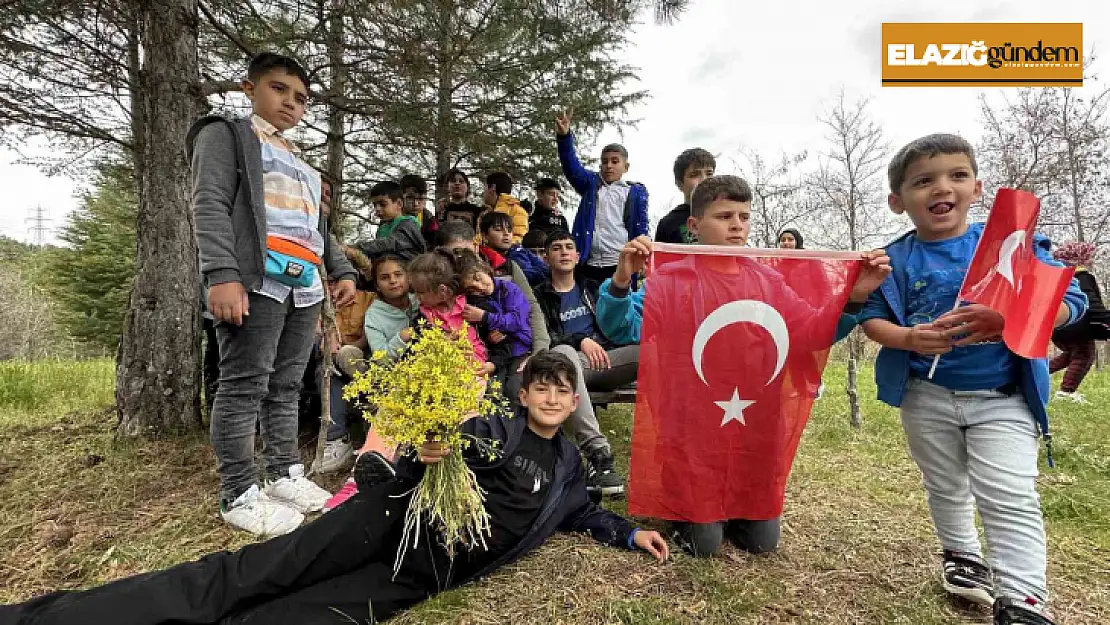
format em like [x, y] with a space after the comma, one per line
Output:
[732, 74]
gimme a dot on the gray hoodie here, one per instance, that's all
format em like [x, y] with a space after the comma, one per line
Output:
[228, 208]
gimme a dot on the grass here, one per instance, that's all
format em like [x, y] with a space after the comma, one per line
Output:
[78, 507]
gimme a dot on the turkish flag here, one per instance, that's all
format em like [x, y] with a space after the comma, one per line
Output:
[1005, 275]
[732, 348]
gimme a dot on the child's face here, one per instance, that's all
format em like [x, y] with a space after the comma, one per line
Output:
[456, 188]
[549, 404]
[548, 198]
[413, 201]
[693, 175]
[787, 242]
[937, 193]
[432, 296]
[391, 280]
[478, 283]
[613, 166]
[562, 256]
[387, 208]
[278, 97]
[725, 222]
[499, 238]
[490, 196]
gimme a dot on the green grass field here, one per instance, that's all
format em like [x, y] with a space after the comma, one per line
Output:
[78, 507]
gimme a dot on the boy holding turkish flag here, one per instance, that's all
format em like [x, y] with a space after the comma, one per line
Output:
[739, 462]
[972, 426]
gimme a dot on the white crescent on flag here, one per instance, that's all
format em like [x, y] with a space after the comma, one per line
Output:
[741, 311]
[1005, 265]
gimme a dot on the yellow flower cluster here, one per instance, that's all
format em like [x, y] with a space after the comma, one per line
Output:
[428, 392]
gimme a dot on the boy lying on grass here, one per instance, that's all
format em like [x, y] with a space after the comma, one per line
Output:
[339, 568]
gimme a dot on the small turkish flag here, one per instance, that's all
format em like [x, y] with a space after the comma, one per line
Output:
[1005, 275]
[733, 344]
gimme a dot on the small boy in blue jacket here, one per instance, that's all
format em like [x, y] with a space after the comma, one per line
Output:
[972, 427]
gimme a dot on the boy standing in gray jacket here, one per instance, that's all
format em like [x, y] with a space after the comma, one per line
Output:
[261, 236]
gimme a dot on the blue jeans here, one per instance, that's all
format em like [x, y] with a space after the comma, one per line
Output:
[262, 364]
[979, 449]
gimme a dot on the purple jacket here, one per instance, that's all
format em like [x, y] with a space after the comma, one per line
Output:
[508, 313]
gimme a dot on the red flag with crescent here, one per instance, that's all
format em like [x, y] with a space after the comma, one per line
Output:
[733, 344]
[1005, 275]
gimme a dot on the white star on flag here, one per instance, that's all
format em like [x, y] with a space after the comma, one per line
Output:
[734, 408]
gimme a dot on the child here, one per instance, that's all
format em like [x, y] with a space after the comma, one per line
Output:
[260, 235]
[499, 310]
[612, 211]
[339, 568]
[720, 213]
[568, 307]
[497, 234]
[1077, 341]
[534, 242]
[398, 233]
[499, 199]
[546, 216]
[690, 168]
[435, 281]
[388, 329]
[972, 427]
[457, 206]
[414, 192]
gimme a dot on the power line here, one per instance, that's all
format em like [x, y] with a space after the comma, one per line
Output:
[38, 227]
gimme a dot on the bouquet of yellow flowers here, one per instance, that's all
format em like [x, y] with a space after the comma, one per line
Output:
[424, 397]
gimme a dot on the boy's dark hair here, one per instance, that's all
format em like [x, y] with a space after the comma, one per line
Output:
[926, 147]
[615, 147]
[451, 173]
[414, 182]
[377, 264]
[716, 188]
[550, 367]
[493, 219]
[468, 263]
[388, 188]
[435, 269]
[452, 231]
[694, 157]
[534, 239]
[547, 183]
[555, 237]
[264, 62]
[501, 181]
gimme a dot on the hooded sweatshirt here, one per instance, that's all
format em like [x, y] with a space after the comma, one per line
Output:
[383, 325]
[511, 206]
[453, 320]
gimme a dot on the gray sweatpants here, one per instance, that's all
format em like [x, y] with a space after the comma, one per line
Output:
[979, 448]
[262, 365]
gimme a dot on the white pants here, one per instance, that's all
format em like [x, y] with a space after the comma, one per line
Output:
[980, 447]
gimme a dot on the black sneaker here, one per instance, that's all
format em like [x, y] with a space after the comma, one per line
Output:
[371, 469]
[601, 478]
[967, 575]
[1008, 611]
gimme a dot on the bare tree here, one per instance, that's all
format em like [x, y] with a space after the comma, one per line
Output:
[849, 186]
[779, 198]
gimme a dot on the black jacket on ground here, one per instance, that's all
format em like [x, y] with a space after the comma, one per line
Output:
[568, 507]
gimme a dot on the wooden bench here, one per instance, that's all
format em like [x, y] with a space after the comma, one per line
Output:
[623, 395]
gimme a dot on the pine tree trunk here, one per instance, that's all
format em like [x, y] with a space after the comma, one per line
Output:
[855, 353]
[157, 363]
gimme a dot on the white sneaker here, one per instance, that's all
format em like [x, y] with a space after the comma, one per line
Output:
[1075, 396]
[255, 512]
[336, 454]
[298, 491]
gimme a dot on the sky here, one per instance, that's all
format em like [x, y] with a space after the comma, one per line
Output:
[733, 75]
